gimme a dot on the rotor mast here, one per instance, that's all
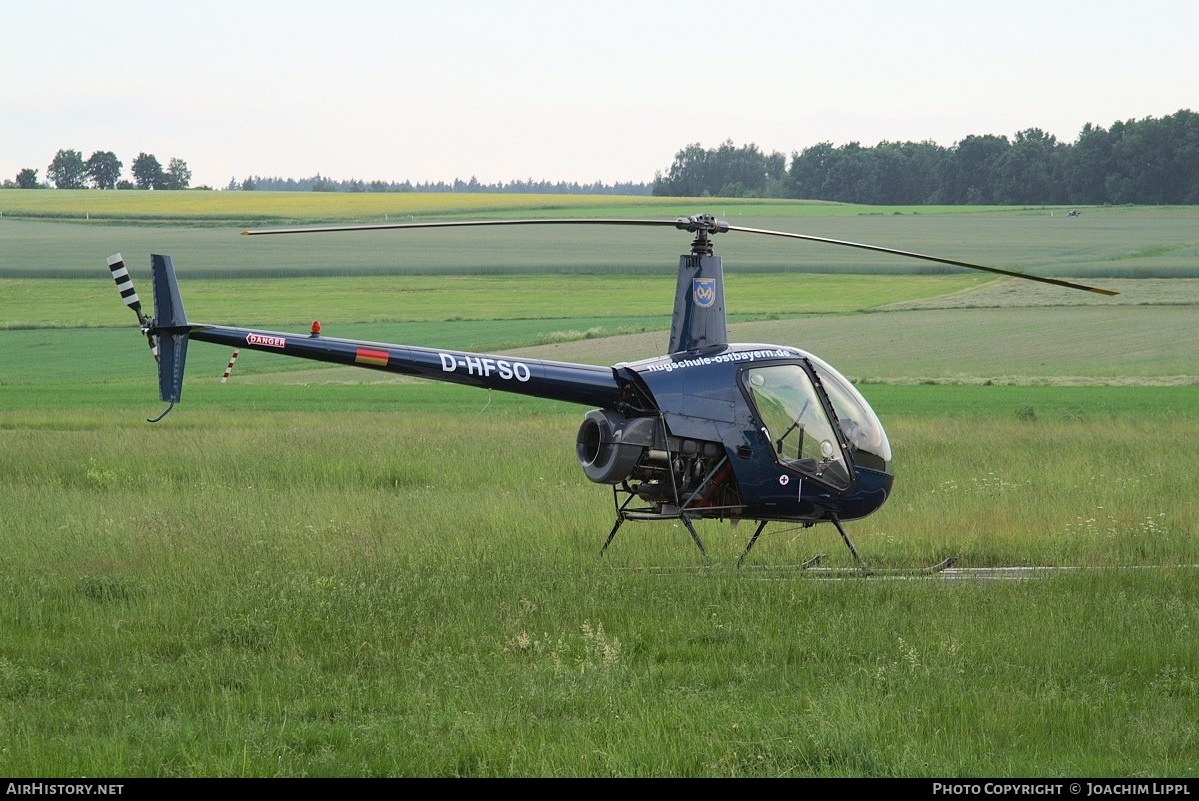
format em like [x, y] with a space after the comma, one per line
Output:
[699, 314]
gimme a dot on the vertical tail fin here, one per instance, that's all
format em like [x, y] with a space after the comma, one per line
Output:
[699, 318]
[170, 325]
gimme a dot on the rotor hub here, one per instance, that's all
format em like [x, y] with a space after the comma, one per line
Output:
[703, 226]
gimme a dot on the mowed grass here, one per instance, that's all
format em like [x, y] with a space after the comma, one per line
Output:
[34, 303]
[417, 592]
[1104, 242]
[203, 207]
[329, 572]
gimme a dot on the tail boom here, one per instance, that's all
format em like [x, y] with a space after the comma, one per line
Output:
[576, 383]
[586, 384]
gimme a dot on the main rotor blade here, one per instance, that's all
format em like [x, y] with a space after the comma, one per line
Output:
[938, 259]
[701, 224]
[454, 224]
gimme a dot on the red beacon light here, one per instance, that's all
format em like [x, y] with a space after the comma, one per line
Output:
[316, 329]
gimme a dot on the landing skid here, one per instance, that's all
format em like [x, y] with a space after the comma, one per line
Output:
[664, 511]
[623, 513]
[811, 563]
[863, 569]
[919, 571]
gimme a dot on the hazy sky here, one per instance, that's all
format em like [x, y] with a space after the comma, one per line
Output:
[559, 90]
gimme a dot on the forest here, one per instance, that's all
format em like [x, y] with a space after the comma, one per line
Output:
[1150, 161]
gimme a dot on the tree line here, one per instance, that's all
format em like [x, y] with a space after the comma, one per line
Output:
[1149, 161]
[319, 183]
[102, 170]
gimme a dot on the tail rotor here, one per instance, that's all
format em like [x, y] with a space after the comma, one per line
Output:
[167, 332]
[120, 274]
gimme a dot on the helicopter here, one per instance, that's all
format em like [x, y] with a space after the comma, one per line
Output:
[709, 430]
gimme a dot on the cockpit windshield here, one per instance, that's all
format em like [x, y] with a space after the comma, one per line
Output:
[868, 440]
[800, 431]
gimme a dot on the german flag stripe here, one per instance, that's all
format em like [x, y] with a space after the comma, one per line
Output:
[371, 356]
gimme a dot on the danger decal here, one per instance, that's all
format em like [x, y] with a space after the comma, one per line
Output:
[266, 341]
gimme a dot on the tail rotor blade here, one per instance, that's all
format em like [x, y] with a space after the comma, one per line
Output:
[120, 274]
[229, 369]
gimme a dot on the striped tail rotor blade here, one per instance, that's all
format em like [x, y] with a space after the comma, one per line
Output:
[229, 369]
[120, 274]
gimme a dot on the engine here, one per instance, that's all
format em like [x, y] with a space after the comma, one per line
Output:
[610, 445]
[614, 449]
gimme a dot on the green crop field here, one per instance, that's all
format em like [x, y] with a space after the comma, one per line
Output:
[325, 571]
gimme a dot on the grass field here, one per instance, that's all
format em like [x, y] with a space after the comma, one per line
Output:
[330, 572]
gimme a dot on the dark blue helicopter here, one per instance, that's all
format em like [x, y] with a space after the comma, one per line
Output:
[711, 430]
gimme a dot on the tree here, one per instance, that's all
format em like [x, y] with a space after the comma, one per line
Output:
[27, 179]
[687, 176]
[1086, 165]
[845, 175]
[147, 172]
[67, 171]
[321, 184]
[745, 171]
[972, 169]
[726, 171]
[1185, 138]
[907, 171]
[1031, 172]
[808, 169]
[177, 176]
[104, 168]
